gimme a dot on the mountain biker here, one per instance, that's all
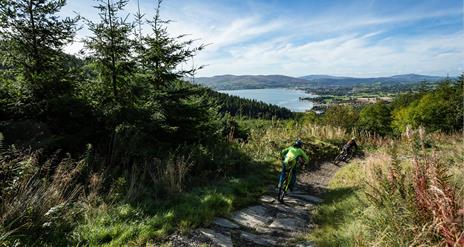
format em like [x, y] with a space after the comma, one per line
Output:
[350, 145]
[290, 157]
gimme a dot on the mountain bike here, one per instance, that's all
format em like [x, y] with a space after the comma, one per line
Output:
[345, 156]
[285, 183]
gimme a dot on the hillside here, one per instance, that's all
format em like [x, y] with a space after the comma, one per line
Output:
[231, 82]
[326, 80]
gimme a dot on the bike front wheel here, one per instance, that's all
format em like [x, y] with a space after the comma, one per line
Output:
[281, 194]
[283, 187]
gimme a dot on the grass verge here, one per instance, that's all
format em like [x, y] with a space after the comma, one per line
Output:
[152, 220]
[339, 216]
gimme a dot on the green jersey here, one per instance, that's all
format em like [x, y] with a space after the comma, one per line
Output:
[291, 154]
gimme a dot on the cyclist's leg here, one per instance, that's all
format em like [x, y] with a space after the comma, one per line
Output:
[282, 174]
[293, 181]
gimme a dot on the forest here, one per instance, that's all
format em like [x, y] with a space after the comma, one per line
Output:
[237, 106]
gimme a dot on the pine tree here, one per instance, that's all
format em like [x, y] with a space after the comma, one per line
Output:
[185, 112]
[110, 47]
[32, 37]
[160, 55]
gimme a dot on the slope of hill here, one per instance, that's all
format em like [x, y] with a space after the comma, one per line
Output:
[325, 80]
[231, 82]
[318, 77]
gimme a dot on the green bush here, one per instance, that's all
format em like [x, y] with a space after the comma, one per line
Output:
[375, 118]
[344, 116]
[440, 109]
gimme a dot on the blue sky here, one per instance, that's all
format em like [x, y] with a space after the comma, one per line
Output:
[297, 37]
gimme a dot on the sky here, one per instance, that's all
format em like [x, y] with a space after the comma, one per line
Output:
[361, 38]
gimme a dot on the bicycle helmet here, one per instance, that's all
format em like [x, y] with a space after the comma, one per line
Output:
[298, 143]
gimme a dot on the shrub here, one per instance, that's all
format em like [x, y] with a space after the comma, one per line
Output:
[375, 118]
[343, 116]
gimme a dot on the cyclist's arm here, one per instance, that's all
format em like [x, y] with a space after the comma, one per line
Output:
[305, 157]
[284, 152]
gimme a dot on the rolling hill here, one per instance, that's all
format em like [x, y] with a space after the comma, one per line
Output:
[326, 80]
[231, 82]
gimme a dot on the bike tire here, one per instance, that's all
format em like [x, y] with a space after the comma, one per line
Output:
[349, 156]
[281, 194]
[283, 187]
[338, 159]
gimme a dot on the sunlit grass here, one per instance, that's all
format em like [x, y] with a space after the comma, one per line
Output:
[116, 225]
[339, 217]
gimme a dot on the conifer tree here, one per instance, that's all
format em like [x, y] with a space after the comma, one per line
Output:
[33, 36]
[160, 55]
[110, 47]
[184, 112]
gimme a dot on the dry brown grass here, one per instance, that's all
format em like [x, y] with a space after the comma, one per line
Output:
[417, 189]
[37, 197]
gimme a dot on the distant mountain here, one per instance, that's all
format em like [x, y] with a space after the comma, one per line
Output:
[317, 77]
[231, 82]
[416, 77]
[327, 80]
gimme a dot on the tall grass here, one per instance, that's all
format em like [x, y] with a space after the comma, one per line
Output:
[414, 192]
[38, 198]
[266, 143]
[406, 193]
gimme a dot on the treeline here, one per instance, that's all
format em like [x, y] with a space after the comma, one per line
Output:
[436, 109]
[237, 106]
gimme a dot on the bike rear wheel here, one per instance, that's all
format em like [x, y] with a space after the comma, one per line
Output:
[339, 158]
[349, 156]
[283, 187]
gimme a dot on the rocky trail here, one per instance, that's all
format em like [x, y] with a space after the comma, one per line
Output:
[268, 223]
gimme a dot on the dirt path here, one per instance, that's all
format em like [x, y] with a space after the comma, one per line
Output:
[268, 223]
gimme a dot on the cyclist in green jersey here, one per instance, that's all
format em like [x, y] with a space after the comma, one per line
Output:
[290, 157]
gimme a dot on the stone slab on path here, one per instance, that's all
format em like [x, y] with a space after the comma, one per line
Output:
[308, 198]
[299, 202]
[288, 223]
[255, 217]
[217, 238]
[250, 239]
[289, 208]
[267, 199]
[225, 223]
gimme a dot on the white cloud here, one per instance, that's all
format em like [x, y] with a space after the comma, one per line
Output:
[352, 55]
[341, 41]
